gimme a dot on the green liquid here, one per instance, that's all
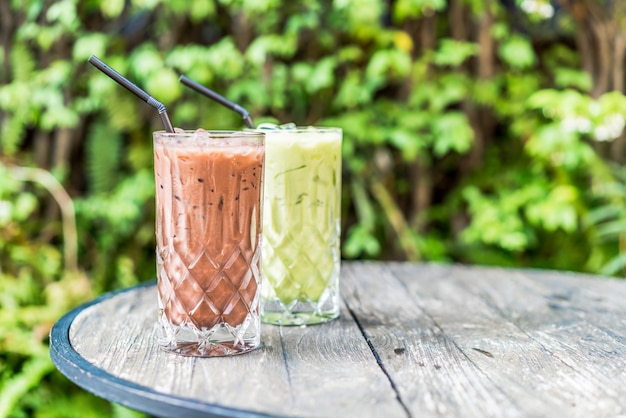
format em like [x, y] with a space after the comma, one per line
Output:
[301, 215]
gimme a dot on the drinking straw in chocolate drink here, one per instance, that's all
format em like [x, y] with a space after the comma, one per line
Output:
[218, 98]
[96, 62]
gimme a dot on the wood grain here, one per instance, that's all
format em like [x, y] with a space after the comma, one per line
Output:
[413, 340]
[324, 370]
[539, 357]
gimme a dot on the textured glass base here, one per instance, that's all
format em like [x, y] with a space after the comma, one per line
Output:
[194, 349]
[296, 318]
[220, 341]
[275, 313]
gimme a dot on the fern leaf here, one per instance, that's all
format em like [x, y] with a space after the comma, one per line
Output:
[103, 151]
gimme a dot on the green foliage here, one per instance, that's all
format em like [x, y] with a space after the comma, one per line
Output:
[607, 222]
[119, 224]
[518, 53]
[35, 291]
[454, 53]
[103, 151]
[34, 260]
[405, 9]
[456, 147]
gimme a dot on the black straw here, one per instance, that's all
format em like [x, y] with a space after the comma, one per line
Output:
[96, 62]
[218, 98]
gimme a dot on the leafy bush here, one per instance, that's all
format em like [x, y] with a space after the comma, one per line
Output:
[38, 284]
[474, 131]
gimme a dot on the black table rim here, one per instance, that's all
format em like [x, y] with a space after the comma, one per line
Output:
[105, 385]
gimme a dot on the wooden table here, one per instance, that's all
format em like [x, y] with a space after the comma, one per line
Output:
[413, 340]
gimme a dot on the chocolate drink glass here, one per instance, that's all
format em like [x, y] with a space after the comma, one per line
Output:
[301, 225]
[209, 190]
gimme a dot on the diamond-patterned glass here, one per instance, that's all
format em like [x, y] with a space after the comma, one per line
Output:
[208, 242]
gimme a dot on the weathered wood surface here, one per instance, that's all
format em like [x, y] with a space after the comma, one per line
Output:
[416, 340]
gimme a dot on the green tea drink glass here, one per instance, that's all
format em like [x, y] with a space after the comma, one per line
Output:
[301, 226]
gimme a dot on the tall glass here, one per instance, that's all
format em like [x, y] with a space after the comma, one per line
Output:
[209, 190]
[301, 226]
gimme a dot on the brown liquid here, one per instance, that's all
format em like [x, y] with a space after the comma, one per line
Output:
[208, 231]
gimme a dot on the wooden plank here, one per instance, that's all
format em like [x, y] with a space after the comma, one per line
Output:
[433, 376]
[332, 372]
[413, 340]
[505, 326]
[581, 321]
[118, 336]
[324, 370]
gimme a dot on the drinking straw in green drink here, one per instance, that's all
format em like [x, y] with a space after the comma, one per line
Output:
[218, 98]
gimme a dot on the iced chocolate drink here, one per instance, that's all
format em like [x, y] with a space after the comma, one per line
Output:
[209, 189]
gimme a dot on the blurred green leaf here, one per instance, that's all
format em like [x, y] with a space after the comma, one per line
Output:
[164, 85]
[88, 45]
[144, 62]
[270, 45]
[353, 92]
[453, 53]
[518, 52]
[15, 387]
[565, 77]
[557, 211]
[322, 75]
[404, 9]
[23, 206]
[360, 242]
[388, 64]
[616, 265]
[408, 142]
[112, 8]
[611, 229]
[63, 12]
[451, 132]
[603, 213]
[200, 9]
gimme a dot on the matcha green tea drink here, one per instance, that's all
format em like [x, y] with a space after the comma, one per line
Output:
[301, 225]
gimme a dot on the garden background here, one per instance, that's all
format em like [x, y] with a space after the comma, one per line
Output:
[475, 131]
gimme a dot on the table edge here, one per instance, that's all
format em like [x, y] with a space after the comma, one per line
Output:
[107, 386]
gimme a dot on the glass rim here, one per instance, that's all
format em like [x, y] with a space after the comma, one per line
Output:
[299, 130]
[212, 133]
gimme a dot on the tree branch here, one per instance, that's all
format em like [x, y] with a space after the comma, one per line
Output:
[66, 204]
